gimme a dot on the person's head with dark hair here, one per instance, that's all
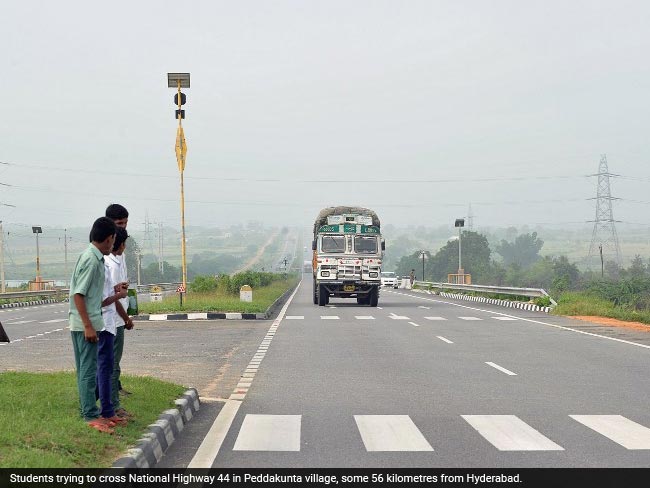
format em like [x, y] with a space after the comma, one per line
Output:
[120, 241]
[118, 214]
[102, 235]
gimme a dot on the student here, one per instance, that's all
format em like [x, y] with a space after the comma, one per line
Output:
[121, 319]
[412, 277]
[85, 317]
[114, 290]
[120, 216]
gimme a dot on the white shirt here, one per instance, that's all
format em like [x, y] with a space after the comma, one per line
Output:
[116, 267]
[108, 312]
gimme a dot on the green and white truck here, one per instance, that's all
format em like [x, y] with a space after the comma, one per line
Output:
[347, 253]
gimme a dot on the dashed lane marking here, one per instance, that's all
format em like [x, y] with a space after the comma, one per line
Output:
[444, 340]
[435, 318]
[295, 317]
[470, 318]
[414, 324]
[501, 368]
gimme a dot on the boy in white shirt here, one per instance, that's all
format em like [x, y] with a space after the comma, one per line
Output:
[117, 273]
[113, 291]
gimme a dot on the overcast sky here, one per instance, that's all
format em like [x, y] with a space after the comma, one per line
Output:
[298, 105]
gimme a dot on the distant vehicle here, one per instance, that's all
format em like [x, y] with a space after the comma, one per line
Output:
[348, 250]
[388, 278]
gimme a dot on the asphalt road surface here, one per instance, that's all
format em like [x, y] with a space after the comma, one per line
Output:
[420, 381]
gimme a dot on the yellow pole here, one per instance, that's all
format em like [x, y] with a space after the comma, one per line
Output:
[183, 259]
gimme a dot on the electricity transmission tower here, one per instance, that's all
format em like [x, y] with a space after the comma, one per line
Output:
[604, 233]
[470, 218]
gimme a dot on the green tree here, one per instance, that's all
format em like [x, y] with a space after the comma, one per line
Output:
[523, 251]
[475, 258]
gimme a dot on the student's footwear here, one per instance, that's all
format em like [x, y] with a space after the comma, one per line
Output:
[120, 412]
[101, 425]
[124, 392]
[116, 421]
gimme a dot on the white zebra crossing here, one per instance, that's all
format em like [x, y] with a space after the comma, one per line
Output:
[510, 433]
[623, 431]
[269, 433]
[398, 433]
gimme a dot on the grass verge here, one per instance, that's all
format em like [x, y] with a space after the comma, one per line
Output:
[580, 303]
[40, 426]
[220, 301]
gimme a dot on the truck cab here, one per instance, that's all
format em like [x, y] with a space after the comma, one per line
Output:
[348, 251]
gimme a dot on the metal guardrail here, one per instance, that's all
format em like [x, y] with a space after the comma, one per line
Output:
[501, 290]
[63, 292]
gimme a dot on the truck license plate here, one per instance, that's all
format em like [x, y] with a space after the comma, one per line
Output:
[348, 287]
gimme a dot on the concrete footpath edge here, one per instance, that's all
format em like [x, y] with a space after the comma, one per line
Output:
[160, 435]
[270, 312]
[28, 304]
[493, 301]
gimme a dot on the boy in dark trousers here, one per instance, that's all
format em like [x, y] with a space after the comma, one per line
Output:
[85, 317]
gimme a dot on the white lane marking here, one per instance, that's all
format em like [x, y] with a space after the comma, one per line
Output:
[414, 324]
[269, 433]
[380, 308]
[445, 340]
[53, 321]
[294, 317]
[562, 327]
[22, 322]
[197, 316]
[469, 318]
[364, 317]
[30, 337]
[211, 444]
[435, 318]
[57, 330]
[209, 448]
[398, 317]
[390, 433]
[422, 306]
[500, 368]
[510, 433]
[329, 317]
[504, 318]
[621, 430]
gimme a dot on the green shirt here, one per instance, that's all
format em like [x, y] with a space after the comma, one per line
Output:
[88, 280]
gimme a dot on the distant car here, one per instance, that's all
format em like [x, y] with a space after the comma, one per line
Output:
[388, 278]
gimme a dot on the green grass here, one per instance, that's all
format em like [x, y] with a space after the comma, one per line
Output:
[582, 303]
[40, 425]
[220, 301]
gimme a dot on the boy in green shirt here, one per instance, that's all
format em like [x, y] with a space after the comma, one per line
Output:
[86, 289]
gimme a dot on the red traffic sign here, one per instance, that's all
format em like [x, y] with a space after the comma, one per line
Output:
[180, 289]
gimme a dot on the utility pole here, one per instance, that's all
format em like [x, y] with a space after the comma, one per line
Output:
[2, 259]
[604, 230]
[65, 247]
[178, 81]
[161, 258]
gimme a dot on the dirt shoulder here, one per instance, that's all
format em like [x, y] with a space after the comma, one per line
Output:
[612, 322]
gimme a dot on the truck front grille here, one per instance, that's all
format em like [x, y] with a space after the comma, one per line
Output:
[349, 271]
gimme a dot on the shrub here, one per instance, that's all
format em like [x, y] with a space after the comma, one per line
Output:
[203, 284]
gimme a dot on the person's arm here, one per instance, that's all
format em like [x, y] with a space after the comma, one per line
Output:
[128, 322]
[114, 298]
[89, 331]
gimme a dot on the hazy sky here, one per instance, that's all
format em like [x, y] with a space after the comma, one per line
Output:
[297, 105]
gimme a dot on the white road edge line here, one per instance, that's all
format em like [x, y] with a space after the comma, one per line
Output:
[531, 320]
[500, 368]
[211, 444]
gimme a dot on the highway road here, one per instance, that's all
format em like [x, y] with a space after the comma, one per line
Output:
[420, 381]
[428, 382]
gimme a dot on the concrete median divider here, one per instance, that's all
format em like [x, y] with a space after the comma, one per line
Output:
[160, 435]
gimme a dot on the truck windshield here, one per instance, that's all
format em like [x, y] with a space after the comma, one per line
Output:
[332, 244]
[365, 245]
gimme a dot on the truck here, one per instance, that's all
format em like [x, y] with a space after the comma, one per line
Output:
[347, 254]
